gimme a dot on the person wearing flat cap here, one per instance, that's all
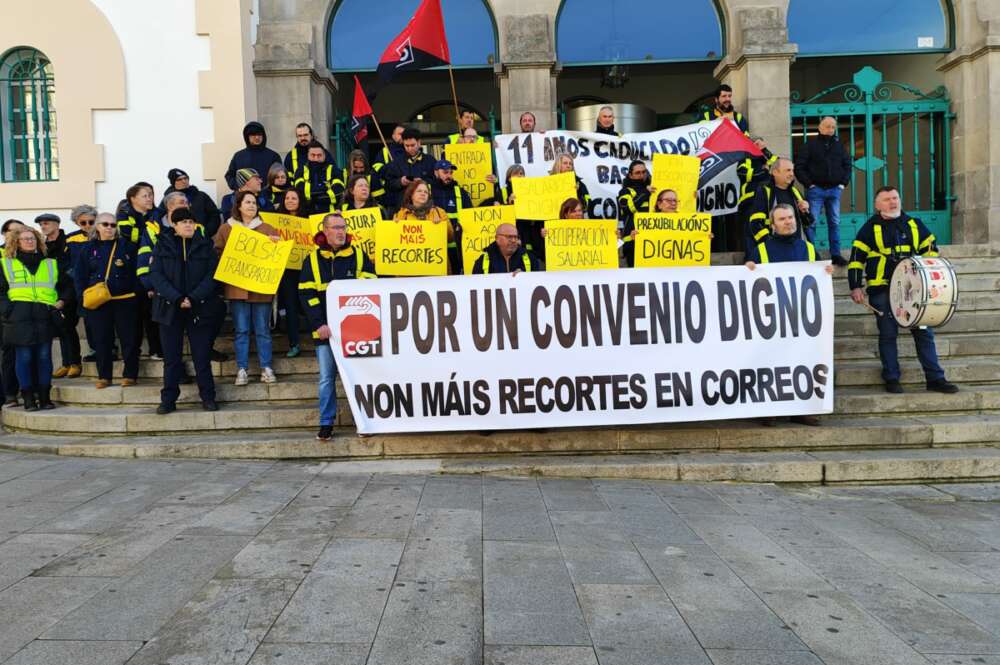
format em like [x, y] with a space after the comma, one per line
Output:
[450, 197]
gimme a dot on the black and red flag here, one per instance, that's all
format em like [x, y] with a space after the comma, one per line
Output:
[723, 148]
[422, 44]
[359, 116]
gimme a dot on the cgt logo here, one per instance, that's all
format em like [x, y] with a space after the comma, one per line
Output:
[361, 326]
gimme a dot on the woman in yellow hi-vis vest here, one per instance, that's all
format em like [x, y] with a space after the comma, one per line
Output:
[32, 293]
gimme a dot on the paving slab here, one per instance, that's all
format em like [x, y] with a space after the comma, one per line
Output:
[50, 652]
[136, 607]
[510, 655]
[310, 654]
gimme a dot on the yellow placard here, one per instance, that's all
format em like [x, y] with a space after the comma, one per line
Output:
[540, 198]
[361, 224]
[679, 173]
[479, 229]
[672, 239]
[581, 244]
[299, 230]
[474, 161]
[411, 248]
[252, 261]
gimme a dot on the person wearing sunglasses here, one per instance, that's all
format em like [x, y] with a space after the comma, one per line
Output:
[32, 292]
[110, 258]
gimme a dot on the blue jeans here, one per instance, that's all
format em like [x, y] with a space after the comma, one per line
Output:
[33, 365]
[327, 383]
[825, 200]
[888, 330]
[259, 314]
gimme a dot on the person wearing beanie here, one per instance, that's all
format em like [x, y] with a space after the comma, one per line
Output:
[250, 180]
[256, 155]
[205, 212]
[185, 303]
[333, 258]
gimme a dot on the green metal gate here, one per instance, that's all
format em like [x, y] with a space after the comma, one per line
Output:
[901, 142]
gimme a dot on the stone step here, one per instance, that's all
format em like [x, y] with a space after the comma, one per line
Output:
[854, 435]
[149, 368]
[973, 399]
[123, 420]
[967, 302]
[958, 370]
[81, 392]
[948, 345]
[965, 321]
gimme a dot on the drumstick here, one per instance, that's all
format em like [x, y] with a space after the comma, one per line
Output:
[870, 308]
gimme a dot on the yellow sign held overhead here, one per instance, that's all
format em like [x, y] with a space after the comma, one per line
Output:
[411, 248]
[479, 229]
[581, 244]
[540, 198]
[473, 162]
[673, 239]
[252, 261]
[679, 173]
[299, 230]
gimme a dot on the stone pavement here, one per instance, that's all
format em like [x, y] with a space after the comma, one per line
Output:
[106, 562]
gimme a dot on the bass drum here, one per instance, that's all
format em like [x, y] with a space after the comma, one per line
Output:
[923, 292]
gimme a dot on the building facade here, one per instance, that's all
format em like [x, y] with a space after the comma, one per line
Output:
[169, 83]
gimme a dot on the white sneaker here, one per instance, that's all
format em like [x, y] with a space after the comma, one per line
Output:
[267, 376]
[242, 378]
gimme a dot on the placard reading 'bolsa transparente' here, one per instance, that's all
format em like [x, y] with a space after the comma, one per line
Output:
[584, 348]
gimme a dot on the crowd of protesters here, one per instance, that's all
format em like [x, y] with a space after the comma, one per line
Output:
[145, 272]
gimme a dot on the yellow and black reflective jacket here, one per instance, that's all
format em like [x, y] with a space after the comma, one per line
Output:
[881, 244]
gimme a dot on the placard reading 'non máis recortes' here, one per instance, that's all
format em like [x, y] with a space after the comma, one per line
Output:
[411, 248]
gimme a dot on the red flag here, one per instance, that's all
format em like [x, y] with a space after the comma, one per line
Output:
[420, 45]
[724, 147]
[362, 109]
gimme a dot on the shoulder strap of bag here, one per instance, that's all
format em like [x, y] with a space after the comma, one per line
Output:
[107, 272]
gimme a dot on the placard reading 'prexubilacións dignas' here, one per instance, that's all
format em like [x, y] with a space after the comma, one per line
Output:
[584, 348]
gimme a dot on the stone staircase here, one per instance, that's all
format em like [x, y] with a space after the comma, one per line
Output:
[278, 421]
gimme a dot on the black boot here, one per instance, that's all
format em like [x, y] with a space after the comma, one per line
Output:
[28, 397]
[44, 398]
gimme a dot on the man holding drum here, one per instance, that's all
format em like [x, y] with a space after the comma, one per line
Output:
[888, 237]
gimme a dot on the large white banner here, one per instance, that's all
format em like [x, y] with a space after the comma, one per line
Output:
[584, 348]
[602, 161]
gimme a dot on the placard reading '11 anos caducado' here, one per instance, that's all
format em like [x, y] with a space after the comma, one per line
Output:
[479, 229]
[581, 244]
[473, 162]
[540, 198]
[672, 239]
[252, 261]
[411, 248]
[299, 230]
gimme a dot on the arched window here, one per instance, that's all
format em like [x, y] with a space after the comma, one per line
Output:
[856, 27]
[27, 117]
[600, 32]
[360, 30]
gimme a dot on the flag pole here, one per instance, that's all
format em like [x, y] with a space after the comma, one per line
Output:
[380, 135]
[454, 98]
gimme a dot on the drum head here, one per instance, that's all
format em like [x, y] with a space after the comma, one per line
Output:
[907, 293]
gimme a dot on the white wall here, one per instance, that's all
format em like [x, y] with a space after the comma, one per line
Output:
[163, 127]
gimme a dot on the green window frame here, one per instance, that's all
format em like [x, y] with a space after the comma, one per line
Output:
[28, 150]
